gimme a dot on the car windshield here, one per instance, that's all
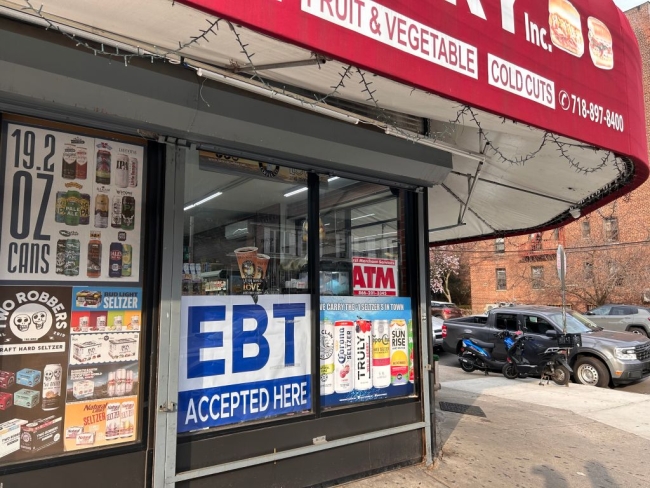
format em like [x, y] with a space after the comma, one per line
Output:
[575, 322]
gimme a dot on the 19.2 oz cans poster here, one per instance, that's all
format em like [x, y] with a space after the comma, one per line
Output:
[71, 207]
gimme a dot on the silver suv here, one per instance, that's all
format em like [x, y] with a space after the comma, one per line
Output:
[628, 318]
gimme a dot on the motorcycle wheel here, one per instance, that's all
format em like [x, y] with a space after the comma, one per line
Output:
[561, 376]
[467, 367]
[510, 371]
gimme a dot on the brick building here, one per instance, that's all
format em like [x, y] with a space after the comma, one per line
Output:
[608, 251]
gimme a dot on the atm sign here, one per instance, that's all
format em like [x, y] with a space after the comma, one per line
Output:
[373, 277]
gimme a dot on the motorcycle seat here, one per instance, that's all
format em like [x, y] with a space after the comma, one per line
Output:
[484, 345]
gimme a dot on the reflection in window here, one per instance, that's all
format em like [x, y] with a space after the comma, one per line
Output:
[361, 225]
[245, 228]
[611, 229]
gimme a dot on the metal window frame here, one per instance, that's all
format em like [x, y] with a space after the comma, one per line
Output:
[166, 439]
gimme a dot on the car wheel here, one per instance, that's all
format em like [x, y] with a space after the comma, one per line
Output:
[639, 330]
[591, 372]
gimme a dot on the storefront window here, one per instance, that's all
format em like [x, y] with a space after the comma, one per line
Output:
[366, 327]
[246, 324]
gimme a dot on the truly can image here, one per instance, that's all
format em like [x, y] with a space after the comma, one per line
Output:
[380, 353]
[363, 355]
[343, 351]
[326, 357]
[399, 361]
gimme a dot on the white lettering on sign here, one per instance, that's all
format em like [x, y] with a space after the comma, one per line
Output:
[374, 277]
[475, 7]
[382, 24]
[520, 81]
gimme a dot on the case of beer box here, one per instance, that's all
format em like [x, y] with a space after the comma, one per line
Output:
[85, 439]
[41, 433]
[89, 299]
[27, 398]
[82, 389]
[6, 400]
[87, 351]
[122, 348]
[28, 377]
[7, 379]
[10, 436]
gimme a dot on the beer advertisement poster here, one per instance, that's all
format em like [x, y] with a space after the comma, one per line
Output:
[34, 347]
[366, 349]
[242, 359]
[101, 423]
[103, 376]
[72, 207]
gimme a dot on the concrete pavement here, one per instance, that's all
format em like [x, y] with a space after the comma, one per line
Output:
[533, 436]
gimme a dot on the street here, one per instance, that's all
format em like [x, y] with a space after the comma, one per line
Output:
[449, 371]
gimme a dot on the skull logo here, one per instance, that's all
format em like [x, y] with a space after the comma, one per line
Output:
[23, 322]
[48, 375]
[39, 319]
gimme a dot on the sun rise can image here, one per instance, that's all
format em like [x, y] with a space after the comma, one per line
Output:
[399, 361]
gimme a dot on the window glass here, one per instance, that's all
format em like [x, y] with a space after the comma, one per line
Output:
[604, 310]
[366, 326]
[611, 229]
[586, 229]
[537, 325]
[537, 275]
[506, 321]
[500, 245]
[501, 279]
[245, 310]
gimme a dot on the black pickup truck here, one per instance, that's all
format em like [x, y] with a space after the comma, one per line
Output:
[605, 356]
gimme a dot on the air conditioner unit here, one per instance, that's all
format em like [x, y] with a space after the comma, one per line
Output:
[238, 230]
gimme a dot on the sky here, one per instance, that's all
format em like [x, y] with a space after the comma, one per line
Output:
[627, 4]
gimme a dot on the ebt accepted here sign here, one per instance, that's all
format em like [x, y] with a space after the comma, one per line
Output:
[242, 361]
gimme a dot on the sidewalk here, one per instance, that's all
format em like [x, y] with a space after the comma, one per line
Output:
[534, 436]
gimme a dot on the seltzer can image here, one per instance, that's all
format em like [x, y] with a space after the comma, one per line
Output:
[326, 357]
[363, 355]
[343, 352]
[399, 361]
[112, 421]
[52, 375]
[133, 172]
[380, 353]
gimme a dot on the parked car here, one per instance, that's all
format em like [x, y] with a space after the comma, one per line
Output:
[445, 310]
[436, 326]
[628, 318]
[605, 356]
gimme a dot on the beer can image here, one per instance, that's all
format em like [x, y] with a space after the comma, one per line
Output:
[399, 361]
[122, 171]
[127, 419]
[110, 385]
[52, 387]
[380, 353]
[72, 208]
[100, 323]
[117, 323]
[128, 213]
[343, 351]
[112, 421]
[133, 172]
[101, 211]
[363, 355]
[120, 382]
[326, 357]
[103, 167]
[410, 341]
[84, 323]
[82, 163]
[115, 260]
[69, 166]
[72, 255]
[128, 389]
[127, 259]
[84, 209]
[116, 214]
[60, 256]
[94, 265]
[59, 215]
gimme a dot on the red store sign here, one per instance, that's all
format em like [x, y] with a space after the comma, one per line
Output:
[374, 277]
[572, 68]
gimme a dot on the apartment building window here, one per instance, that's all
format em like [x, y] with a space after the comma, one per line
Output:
[588, 269]
[611, 229]
[556, 234]
[537, 275]
[501, 279]
[500, 245]
[586, 229]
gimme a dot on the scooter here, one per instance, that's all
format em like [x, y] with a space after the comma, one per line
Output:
[476, 354]
[548, 363]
